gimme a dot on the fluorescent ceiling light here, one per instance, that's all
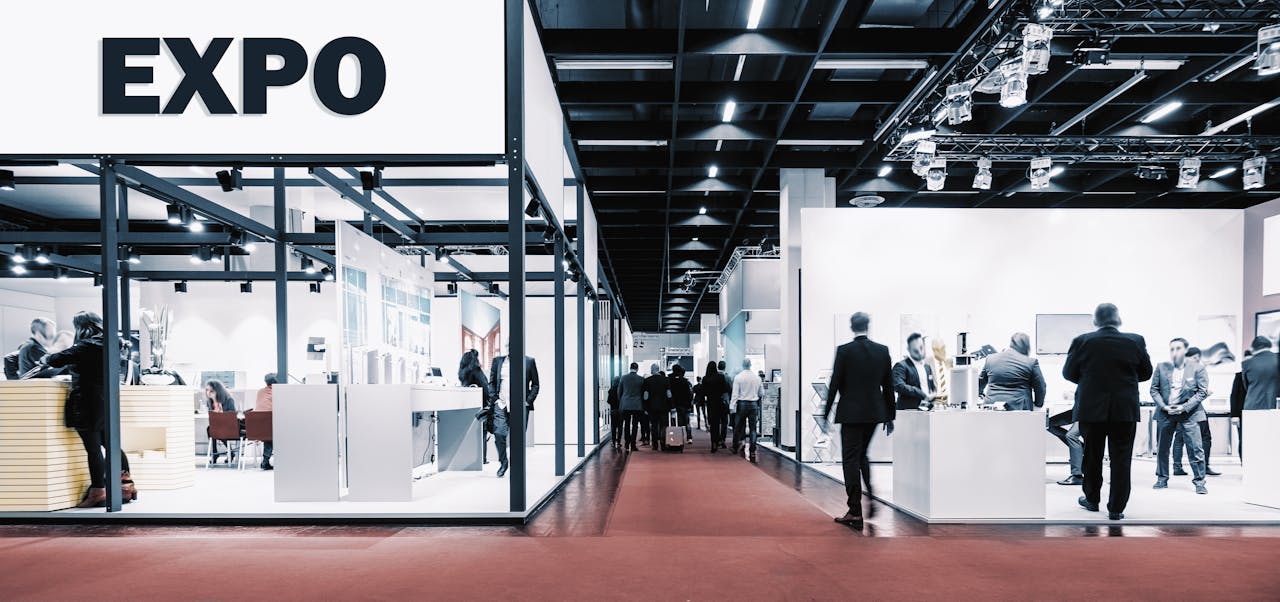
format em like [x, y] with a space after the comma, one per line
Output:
[695, 239]
[871, 64]
[598, 192]
[1108, 97]
[884, 171]
[1163, 111]
[1226, 171]
[622, 143]
[1057, 171]
[713, 171]
[1138, 64]
[729, 109]
[796, 142]
[1226, 125]
[1229, 69]
[737, 72]
[702, 210]
[910, 137]
[614, 64]
[753, 17]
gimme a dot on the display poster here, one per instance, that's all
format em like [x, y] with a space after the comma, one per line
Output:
[243, 77]
[1217, 337]
[481, 327]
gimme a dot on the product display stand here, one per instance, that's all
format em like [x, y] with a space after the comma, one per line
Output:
[156, 433]
[1261, 457]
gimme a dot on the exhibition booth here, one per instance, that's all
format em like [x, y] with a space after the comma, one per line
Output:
[971, 278]
[357, 270]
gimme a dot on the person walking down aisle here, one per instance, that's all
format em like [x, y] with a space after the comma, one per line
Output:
[657, 405]
[711, 392]
[86, 408]
[631, 398]
[615, 413]
[1259, 375]
[681, 399]
[1206, 435]
[725, 401]
[1107, 366]
[1179, 387]
[862, 380]
[747, 393]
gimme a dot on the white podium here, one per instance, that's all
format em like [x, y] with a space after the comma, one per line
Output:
[953, 464]
[1261, 439]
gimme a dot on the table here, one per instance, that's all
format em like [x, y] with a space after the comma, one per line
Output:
[955, 464]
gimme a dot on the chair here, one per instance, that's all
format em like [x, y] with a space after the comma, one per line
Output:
[225, 427]
[257, 429]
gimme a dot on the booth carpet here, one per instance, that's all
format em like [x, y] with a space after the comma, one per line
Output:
[689, 526]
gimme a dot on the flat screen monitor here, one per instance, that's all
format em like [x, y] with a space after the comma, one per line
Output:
[1054, 332]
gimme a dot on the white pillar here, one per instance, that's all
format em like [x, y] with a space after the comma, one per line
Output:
[800, 188]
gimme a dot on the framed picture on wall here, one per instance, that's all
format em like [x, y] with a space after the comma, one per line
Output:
[1267, 324]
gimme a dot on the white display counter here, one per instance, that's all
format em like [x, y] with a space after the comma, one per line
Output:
[969, 464]
[380, 436]
[304, 432]
[1261, 457]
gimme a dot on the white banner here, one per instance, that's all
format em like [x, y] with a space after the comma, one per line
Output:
[379, 77]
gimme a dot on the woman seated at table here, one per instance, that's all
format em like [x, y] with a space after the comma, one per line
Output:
[218, 399]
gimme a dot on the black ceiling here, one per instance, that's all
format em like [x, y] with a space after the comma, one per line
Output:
[662, 128]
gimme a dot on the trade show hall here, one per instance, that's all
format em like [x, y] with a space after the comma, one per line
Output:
[632, 299]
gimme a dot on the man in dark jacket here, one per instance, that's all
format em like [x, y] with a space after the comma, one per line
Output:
[1107, 366]
[656, 405]
[31, 352]
[913, 377]
[862, 378]
[1259, 374]
[631, 401]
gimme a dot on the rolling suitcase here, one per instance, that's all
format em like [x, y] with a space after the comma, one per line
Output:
[674, 437]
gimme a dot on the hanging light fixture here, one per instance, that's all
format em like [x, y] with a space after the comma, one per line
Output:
[959, 103]
[1254, 172]
[982, 181]
[308, 266]
[19, 254]
[1040, 172]
[936, 177]
[1268, 61]
[327, 272]
[1035, 48]
[1188, 172]
[174, 214]
[1013, 93]
[923, 157]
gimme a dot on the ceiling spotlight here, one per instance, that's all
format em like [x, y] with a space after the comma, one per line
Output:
[19, 254]
[216, 254]
[308, 266]
[713, 171]
[371, 180]
[1096, 52]
[1268, 61]
[1226, 171]
[867, 200]
[1040, 172]
[134, 257]
[1188, 172]
[193, 222]
[936, 177]
[7, 181]
[1013, 93]
[702, 210]
[687, 280]
[174, 213]
[1035, 47]
[923, 157]
[442, 255]
[180, 287]
[97, 280]
[327, 273]
[919, 134]
[532, 209]
[196, 255]
[314, 286]
[19, 269]
[549, 235]
[231, 180]
[1254, 172]
[42, 256]
[982, 181]
[494, 289]
[246, 287]
[1151, 172]
[884, 171]
[452, 288]
[695, 239]
[959, 103]
[730, 107]
[1162, 112]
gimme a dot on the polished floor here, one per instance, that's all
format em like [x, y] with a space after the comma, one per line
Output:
[653, 526]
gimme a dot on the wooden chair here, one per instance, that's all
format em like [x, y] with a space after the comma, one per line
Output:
[225, 427]
[257, 429]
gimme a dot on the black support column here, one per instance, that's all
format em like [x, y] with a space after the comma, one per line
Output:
[516, 172]
[282, 277]
[581, 331]
[559, 352]
[111, 326]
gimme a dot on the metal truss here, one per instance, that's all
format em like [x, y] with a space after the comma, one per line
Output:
[1130, 18]
[735, 259]
[1094, 149]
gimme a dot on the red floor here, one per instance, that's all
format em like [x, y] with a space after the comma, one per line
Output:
[657, 527]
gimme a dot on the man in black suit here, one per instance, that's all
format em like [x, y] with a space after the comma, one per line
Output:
[1107, 366]
[913, 377]
[862, 377]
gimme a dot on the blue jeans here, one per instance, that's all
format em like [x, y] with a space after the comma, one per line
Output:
[748, 423]
[1190, 430]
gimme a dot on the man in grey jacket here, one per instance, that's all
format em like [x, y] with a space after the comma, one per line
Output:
[631, 400]
[1259, 374]
[1012, 378]
[1179, 387]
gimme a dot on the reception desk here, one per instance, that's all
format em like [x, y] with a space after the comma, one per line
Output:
[1260, 441]
[155, 432]
[955, 464]
[42, 462]
[381, 419]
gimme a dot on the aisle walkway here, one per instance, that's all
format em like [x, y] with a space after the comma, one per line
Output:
[650, 526]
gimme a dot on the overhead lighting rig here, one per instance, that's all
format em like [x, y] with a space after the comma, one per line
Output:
[982, 180]
[1188, 172]
[1268, 61]
[1040, 172]
[1255, 170]
[231, 180]
[1095, 52]
[371, 180]
[936, 177]
[959, 103]
[1035, 47]
[1151, 172]
[1013, 92]
[923, 158]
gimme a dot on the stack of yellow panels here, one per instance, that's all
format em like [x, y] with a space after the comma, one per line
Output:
[156, 431]
[42, 463]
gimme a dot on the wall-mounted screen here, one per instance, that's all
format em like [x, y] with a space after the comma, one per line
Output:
[1054, 332]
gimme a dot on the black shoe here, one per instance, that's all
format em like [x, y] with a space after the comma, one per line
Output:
[502, 470]
[753, 457]
[1115, 515]
[1161, 484]
[1211, 472]
[266, 466]
[713, 449]
[1179, 472]
[1072, 480]
[1087, 505]
[850, 519]
[737, 449]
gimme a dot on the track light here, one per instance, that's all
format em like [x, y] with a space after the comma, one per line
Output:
[1035, 48]
[97, 280]
[1268, 61]
[959, 103]
[60, 275]
[371, 180]
[1041, 172]
[575, 276]
[308, 265]
[494, 289]
[246, 287]
[327, 273]
[216, 254]
[19, 269]
[7, 181]
[1162, 112]
[193, 222]
[452, 288]
[533, 208]
[1188, 172]
[231, 180]
[549, 234]
[923, 157]
[982, 181]
[180, 287]
[314, 287]
[134, 257]
[1254, 172]
[442, 255]
[1226, 171]
[174, 213]
[766, 247]
[42, 256]
[884, 171]
[936, 177]
[201, 255]
[19, 254]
